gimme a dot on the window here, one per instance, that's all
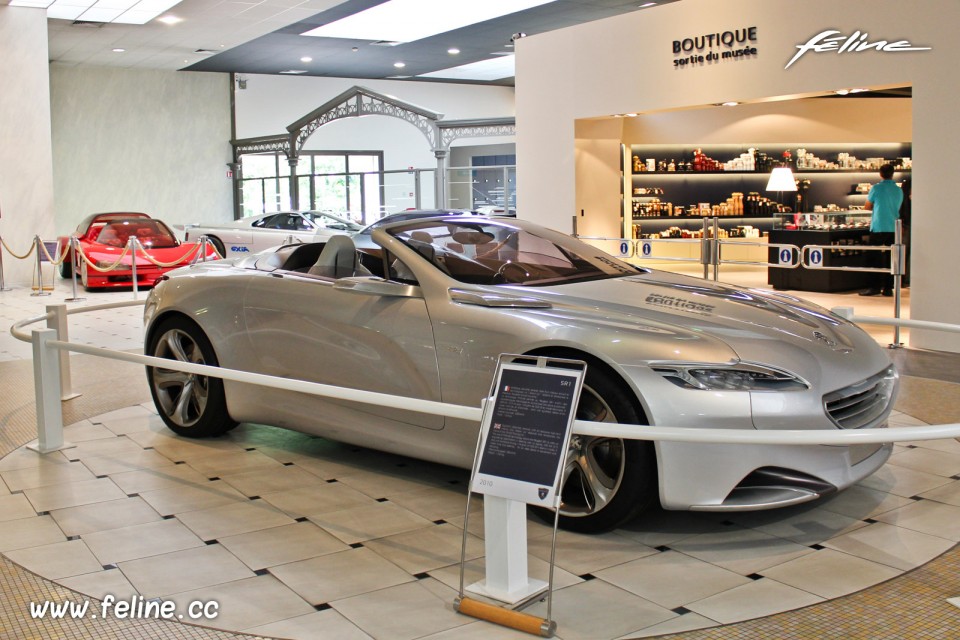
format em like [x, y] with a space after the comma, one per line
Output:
[346, 182]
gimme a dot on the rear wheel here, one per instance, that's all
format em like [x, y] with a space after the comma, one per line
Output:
[607, 481]
[190, 404]
[218, 245]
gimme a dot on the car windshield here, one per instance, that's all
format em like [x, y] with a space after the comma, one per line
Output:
[330, 221]
[152, 234]
[495, 252]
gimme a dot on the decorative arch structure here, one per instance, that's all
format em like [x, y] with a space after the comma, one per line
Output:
[360, 101]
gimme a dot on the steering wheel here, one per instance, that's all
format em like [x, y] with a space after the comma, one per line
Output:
[501, 276]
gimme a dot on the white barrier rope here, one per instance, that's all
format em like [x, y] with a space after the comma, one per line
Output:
[582, 427]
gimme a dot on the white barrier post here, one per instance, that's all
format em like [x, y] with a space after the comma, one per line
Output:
[896, 268]
[57, 320]
[3, 285]
[75, 260]
[46, 381]
[39, 291]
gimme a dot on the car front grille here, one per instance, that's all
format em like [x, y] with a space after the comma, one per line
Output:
[862, 404]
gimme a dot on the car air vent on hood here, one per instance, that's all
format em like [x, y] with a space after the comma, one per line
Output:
[498, 300]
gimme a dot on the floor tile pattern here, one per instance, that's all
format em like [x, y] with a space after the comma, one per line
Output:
[205, 511]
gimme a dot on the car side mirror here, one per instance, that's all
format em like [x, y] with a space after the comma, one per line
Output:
[377, 287]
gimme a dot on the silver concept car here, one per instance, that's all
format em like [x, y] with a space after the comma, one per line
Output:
[428, 310]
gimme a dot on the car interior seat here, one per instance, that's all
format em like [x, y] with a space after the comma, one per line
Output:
[339, 259]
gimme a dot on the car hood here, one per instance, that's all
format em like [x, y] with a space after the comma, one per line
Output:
[735, 323]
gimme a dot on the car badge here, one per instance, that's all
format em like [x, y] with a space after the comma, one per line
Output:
[542, 492]
[825, 340]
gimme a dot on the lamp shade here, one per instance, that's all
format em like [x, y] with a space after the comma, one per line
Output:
[781, 180]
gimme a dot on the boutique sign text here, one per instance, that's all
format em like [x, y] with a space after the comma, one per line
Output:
[836, 41]
[710, 48]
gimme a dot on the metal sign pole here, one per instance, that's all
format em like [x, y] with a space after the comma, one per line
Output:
[39, 291]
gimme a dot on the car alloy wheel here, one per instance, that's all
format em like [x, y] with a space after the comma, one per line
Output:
[190, 404]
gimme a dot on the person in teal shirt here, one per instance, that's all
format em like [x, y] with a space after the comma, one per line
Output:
[884, 202]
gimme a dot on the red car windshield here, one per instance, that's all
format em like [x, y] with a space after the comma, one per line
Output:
[152, 234]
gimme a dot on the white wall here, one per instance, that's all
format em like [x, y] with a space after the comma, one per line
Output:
[26, 164]
[140, 140]
[270, 103]
[625, 64]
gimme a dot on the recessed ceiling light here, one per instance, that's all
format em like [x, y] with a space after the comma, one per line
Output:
[306, 59]
[355, 49]
[399, 65]
[648, 4]
[842, 92]
[453, 51]
[294, 72]
[729, 104]
[630, 115]
[170, 19]
[118, 50]
[392, 20]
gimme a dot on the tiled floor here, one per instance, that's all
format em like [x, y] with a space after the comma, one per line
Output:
[297, 537]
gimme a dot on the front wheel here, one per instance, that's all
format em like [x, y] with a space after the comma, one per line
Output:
[191, 405]
[607, 481]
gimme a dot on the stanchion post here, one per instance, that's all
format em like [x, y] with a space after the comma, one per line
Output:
[74, 266]
[46, 380]
[896, 267]
[133, 263]
[57, 320]
[715, 249]
[3, 284]
[705, 249]
[39, 291]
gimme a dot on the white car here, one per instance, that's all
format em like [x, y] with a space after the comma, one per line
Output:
[257, 233]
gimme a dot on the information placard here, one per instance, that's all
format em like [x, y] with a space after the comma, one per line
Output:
[525, 434]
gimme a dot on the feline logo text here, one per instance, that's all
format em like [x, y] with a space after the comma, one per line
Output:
[833, 40]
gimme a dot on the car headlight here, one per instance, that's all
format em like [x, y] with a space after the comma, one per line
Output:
[739, 377]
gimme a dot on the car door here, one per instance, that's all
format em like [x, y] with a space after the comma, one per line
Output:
[302, 327]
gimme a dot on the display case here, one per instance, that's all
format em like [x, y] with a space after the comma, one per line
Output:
[684, 182]
[844, 229]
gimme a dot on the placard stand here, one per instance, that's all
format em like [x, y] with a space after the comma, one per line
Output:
[531, 410]
[505, 543]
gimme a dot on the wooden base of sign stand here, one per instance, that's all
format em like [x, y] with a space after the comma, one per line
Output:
[505, 617]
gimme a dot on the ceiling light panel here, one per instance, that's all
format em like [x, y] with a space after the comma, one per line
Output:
[119, 11]
[410, 20]
[492, 69]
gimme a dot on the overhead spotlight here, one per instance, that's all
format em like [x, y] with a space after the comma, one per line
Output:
[648, 4]
[399, 65]
[630, 115]
[842, 92]
[118, 50]
[453, 51]
[729, 104]
[306, 59]
[355, 49]
[170, 19]
[517, 36]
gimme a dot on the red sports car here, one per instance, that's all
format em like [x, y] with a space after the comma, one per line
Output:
[104, 236]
